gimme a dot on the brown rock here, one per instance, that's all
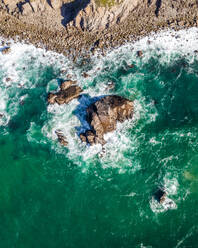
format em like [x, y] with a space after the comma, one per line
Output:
[65, 96]
[61, 138]
[6, 50]
[90, 137]
[65, 85]
[8, 79]
[51, 98]
[85, 75]
[67, 93]
[104, 114]
[139, 53]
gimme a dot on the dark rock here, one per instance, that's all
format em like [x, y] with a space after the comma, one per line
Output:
[6, 50]
[160, 195]
[68, 92]
[63, 71]
[90, 137]
[104, 114]
[8, 79]
[139, 53]
[85, 75]
[83, 137]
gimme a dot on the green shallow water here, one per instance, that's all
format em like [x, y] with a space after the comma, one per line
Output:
[78, 197]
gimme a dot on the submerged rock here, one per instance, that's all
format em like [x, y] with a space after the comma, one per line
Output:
[61, 138]
[85, 75]
[160, 195]
[68, 91]
[103, 116]
[139, 53]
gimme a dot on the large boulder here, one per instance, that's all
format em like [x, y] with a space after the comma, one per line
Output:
[103, 116]
[68, 91]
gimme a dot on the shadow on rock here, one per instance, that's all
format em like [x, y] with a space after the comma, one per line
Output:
[69, 11]
[85, 101]
[21, 3]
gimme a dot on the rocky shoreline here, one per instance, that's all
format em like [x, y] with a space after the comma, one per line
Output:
[72, 41]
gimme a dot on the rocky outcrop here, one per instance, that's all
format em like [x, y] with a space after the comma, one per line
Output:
[97, 16]
[68, 91]
[85, 15]
[160, 195]
[103, 116]
[6, 50]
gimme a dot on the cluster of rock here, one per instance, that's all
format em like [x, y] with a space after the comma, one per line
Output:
[102, 115]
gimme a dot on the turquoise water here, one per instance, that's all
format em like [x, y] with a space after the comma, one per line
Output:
[82, 196]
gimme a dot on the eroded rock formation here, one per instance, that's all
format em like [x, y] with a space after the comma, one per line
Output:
[103, 116]
[68, 91]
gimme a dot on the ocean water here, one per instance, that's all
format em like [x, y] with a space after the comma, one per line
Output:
[82, 196]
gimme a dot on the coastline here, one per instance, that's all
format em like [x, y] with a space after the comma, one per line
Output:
[72, 41]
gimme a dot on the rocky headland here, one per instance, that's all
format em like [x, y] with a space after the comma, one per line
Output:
[76, 26]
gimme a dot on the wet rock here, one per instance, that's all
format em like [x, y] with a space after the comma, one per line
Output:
[51, 98]
[139, 53]
[110, 85]
[91, 137]
[160, 195]
[104, 114]
[61, 138]
[68, 92]
[131, 66]
[85, 75]
[6, 50]
[63, 71]
[83, 137]
[8, 79]
[65, 85]
[69, 76]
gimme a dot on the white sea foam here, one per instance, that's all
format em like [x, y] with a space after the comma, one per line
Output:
[157, 207]
[170, 186]
[164, 45]
[25, 60]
